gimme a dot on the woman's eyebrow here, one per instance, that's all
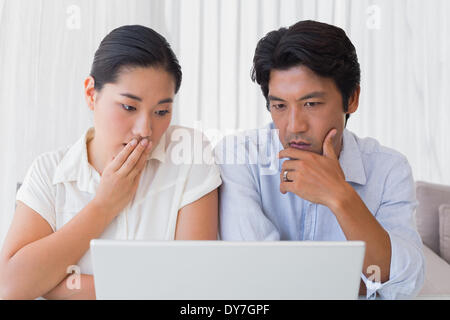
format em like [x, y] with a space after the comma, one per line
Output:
[167, 100]
[131, 96]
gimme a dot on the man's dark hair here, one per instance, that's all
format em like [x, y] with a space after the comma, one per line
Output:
[323, 48]
[133, 46]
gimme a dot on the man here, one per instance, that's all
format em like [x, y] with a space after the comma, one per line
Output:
[328, 184]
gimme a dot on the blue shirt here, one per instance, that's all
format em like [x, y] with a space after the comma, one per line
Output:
[253, 208]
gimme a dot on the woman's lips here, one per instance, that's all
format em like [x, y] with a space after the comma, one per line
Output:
[137, 139]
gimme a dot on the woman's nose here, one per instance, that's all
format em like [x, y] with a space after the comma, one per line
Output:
[143, 128]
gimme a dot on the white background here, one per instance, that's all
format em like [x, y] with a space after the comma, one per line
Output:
[47, 47]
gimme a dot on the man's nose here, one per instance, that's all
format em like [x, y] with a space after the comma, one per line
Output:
[297, 121]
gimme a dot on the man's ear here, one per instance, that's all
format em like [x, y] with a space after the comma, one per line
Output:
[353, 101]
[89, 92]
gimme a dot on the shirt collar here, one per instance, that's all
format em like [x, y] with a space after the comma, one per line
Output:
[159, 153]
[74, 166]
[350, 159]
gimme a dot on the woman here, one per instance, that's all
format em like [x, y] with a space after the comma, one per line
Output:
[119, 181]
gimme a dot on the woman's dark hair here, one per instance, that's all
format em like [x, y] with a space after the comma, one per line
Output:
[323, 48]
[133, 46]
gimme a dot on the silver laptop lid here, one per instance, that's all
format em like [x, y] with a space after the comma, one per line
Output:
[222, 270]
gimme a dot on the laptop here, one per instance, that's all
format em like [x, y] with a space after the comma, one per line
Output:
[223, 270]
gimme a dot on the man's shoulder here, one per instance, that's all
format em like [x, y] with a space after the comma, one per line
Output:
[381, 162]
[263, 137]
[251, 151]
[371, 148]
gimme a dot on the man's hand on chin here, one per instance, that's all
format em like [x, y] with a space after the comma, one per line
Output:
[313, 177]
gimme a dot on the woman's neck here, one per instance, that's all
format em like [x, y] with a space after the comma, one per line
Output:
[93, 152]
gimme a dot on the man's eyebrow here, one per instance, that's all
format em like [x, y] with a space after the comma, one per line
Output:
[315, 94]
[273, 98]
[131, 96]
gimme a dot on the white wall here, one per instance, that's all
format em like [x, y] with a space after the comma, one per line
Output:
[47, 46]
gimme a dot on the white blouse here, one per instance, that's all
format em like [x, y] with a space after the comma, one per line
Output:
[59, 184]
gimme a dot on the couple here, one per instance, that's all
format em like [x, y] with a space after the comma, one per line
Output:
[118, 181]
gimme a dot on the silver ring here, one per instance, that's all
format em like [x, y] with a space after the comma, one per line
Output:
[285, 179]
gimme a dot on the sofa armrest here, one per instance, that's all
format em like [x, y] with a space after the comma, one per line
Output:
[430, 196]
[437, 275]
[444, 232]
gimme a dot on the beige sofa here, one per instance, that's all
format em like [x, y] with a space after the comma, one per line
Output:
[433, 224]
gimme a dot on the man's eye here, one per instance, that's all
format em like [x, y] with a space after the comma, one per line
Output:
[162, 113]
[278, 106]
[128, 108]
[311, 104]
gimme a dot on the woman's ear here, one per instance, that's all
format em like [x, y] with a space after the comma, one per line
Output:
[89, 92]
[353, 102]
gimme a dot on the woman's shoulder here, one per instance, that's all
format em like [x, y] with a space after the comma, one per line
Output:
[189, 143]
[47, 162]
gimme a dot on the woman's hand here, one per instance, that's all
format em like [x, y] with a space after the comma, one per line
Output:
[120, 178]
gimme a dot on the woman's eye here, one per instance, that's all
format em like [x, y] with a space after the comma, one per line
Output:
[128, 108]
[162, 113]
[278, 106]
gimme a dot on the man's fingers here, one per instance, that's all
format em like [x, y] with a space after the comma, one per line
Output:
[290, 175]
[294, 154]
[328, 146]
[288, 186]
[291, 165]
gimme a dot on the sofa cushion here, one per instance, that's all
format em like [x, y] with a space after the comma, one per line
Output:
[430, 197]
[444, 231]
[437, 281]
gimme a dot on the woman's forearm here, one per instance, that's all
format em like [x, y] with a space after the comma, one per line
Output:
[73, 287]
[40, 266]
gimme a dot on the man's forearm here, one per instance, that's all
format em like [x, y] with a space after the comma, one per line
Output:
[63, 290]
[358, 223]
